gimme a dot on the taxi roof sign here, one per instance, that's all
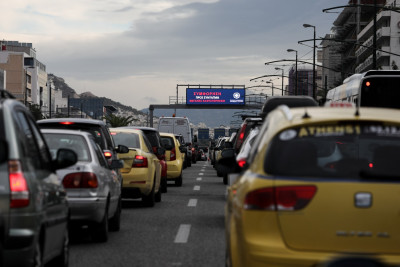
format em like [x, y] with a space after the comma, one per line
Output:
[343, 104]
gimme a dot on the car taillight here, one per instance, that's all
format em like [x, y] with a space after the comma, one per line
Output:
[139, 162]
[67, 122]
[19, 190]
[280, 198]
[172, 154]
[241, 136]
[241, 162]
[80, 180]
[107, 154]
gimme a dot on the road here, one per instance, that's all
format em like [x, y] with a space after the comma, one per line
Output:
[185, 229]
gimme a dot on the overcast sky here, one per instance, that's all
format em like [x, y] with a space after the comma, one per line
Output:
[137, 51]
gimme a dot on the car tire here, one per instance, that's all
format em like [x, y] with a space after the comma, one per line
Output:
[100, 230]
[149, 200]
[115, 221]
[178, 181]
[157, 196]
[62, 260]
[164, 185]
[37, 256]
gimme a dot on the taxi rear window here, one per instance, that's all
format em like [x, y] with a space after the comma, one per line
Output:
[368, 150]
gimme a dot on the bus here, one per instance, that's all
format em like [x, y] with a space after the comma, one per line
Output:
[374, 88]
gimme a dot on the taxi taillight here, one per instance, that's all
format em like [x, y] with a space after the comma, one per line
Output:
[140, 162]
[19, 190]
[80, 180]
[282, 198]
[172, 154]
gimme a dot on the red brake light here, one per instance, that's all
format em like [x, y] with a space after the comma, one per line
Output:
[172, 154]
[18, 186]
[280, 198]
[80, 180]
[241, 162]
[241, 136]
[107, 154]
[139, 162]
[67, 122]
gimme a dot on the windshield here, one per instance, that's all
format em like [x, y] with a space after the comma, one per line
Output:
[130, 140]
[75, 142]
[349, 150]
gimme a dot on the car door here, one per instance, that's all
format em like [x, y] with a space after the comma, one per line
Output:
[112, 183]
[44, 184]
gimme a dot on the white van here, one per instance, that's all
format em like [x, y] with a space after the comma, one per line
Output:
[176, 125]
[179, 126]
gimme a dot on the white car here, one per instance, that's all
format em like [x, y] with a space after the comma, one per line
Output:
[92, 184]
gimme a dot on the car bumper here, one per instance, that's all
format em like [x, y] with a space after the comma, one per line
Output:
[137, 178]
[174, 169]
[87, 209]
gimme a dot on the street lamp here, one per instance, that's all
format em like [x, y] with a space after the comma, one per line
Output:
[295, 85]
[311, 26]
[272, 85]
[282, 76]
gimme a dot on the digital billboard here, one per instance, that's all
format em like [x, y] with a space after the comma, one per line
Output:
[212, 96]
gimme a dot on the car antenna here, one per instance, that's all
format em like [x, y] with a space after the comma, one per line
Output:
[357, 114]
[306, 116]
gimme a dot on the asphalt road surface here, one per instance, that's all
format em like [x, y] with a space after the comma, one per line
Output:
[185, 229]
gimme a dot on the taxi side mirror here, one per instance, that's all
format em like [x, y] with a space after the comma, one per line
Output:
[122, 149]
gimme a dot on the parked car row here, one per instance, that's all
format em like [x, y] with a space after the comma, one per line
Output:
[315, 184]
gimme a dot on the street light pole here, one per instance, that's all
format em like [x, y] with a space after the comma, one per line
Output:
[282, 77]
[297, 77]
[314, 89]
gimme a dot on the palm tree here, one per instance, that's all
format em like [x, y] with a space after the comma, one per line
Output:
[119, 121]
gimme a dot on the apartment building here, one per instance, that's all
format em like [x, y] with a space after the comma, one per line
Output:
[26, 77]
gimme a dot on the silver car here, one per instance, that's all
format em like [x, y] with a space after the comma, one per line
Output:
[92, 184]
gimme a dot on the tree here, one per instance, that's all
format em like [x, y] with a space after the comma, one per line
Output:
[119, 121]
[36, 112]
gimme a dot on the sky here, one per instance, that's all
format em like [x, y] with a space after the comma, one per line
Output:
[136, 52]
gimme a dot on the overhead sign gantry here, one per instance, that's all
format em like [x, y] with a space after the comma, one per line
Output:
[209, 97]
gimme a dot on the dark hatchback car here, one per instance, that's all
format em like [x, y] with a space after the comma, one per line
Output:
[34, 210]
[155, 140]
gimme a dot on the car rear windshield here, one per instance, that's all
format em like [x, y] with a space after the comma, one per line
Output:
[366, 150]
[95, 130]
[130, 140]
[75, 142]
[167, 142]
[153, 138]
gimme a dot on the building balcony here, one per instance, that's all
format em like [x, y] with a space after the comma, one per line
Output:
[368, 30]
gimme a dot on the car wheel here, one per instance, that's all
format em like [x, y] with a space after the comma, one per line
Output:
[37, 256]
[115, 221]
[149, 200]
[164, 185]
[62, 260]
[100, 230]
[188, 162]
[158, 195]
[178, 181]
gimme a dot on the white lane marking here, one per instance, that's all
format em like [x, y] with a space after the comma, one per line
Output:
[203, 170]
[196, 187]
[183, 233]
[192, 202]
[201, 173]
[198, 178]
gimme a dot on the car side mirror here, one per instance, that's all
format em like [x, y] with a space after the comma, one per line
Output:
[116, 164]
[122, 149]
[183, 148]
[3, 151]
[65, 158]
[228, 153]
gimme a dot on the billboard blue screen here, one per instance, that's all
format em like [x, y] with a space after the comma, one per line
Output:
[205, 96]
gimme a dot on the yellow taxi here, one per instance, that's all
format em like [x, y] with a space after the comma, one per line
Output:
[320, 183]
[141, 173]
[173, 156]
